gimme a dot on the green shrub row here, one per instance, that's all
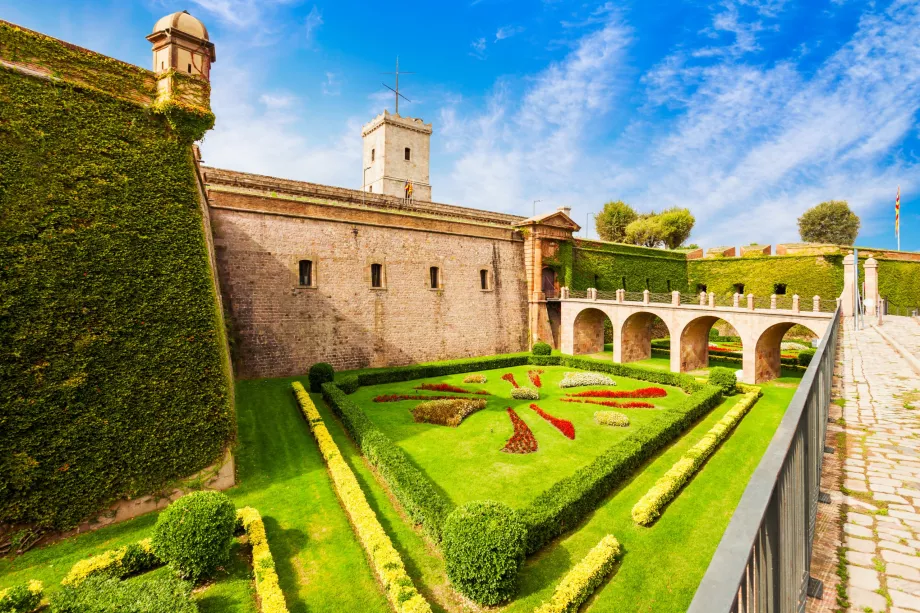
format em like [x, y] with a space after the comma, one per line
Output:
[163, 594]
[414, 490]
[395, 374]
[119, 563]
[561, 507]
[580, 582]
[652, 504]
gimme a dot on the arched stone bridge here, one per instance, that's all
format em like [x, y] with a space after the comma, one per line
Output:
[581, 330]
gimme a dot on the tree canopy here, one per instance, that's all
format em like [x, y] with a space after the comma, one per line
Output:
[670, 228]
[829, 222]
[611, 222]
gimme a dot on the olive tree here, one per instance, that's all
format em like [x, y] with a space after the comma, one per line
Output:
[829, 222]
[611, 222]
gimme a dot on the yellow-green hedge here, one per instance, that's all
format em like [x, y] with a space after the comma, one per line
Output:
[384, 558]
[22, 598]
[263, 565]
[580, 582]
[121, 562]
[650, 506]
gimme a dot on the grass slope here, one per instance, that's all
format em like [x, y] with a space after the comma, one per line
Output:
[320, 564]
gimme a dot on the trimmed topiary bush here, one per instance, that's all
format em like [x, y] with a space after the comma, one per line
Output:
[805, 356]
[348, 384]
[320, 373]
[483, 544]
[162, 594]
[22, 598]
[541, 348]
[193, 534]
[723, 378]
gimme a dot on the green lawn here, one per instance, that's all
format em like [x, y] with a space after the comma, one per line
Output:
[467, 461]
[320, 564]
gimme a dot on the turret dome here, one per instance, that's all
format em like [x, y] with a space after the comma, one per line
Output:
[183, 22]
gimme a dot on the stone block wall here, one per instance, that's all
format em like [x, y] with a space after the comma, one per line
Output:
[280, 328]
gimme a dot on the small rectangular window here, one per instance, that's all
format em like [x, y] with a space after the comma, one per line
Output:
[371, 189]
[190, 68]
[306, 273]
[669, 286]
[701, 287]
[647, 284]
[408, 154]
[484, 279]
[373, 154]
[624, 282]
[434, 274]
[779, 289]
[739, 288]
[376, 275]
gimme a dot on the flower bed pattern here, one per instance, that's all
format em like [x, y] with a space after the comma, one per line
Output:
[582, 379]
[446, 387]
[611, 418]
[522, 441]
[612, 403]
[475, 378]
[449, 412]
[400, 397]
[644, 392]
[525, 393]
[510, 379]
[563, 425]
[535, 376]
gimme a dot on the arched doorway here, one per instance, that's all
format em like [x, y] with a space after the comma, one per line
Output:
[588, 331]
[768, 352]
[635, 342]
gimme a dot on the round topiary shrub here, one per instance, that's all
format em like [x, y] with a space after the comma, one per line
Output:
[483, 544]
[541, 348]
[724, 378]
[320, 373]
[194, 533]
[805, 356]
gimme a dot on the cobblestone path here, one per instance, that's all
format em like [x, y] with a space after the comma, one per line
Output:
[882, 469]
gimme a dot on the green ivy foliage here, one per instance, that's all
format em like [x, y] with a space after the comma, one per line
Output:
[899, 283]
[113, 377]
[806, 276]
[576, 264]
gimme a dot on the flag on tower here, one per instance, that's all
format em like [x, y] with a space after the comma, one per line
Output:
[897, 217]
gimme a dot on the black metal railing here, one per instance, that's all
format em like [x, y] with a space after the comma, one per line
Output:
[763, 560]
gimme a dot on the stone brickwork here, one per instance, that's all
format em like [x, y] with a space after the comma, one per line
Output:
[281, 328]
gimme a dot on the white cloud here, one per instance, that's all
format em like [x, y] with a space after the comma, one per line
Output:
[277, 101]
[478, 48]
[507, 32]
[312, 23]
[332, 86]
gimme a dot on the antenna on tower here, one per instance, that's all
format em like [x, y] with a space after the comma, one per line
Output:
[396, 91]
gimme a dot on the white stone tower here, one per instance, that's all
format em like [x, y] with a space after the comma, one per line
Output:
[180, 43]
[397, 150]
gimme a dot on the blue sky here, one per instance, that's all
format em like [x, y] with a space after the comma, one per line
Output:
[746, 111]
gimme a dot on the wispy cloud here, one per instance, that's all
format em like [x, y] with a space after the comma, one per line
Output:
[507, 32]
[277, 101]
[478, 48]
[311, 24]
[332, 86]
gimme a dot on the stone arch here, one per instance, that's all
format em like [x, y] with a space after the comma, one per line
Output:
[588, 331]
[635, 337]
[694, 343]
[767, 363]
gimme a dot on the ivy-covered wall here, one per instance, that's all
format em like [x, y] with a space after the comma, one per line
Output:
[899, 283]
[806, 276]
[581, 264]
[113, 377]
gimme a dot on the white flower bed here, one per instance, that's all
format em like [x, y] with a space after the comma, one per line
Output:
[475, 378]
[611, 418]
[793, 346]
[525, 393]
[581, 379]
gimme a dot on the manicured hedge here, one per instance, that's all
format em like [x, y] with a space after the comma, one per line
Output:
[414, 490]
[113, 378]
[23, 598]
[384, 559]
[263, 564]
[652, 504]
[724, 378]
[580, 582]
[160, 594]
[119, 563]
[561, 507]
[395, 374]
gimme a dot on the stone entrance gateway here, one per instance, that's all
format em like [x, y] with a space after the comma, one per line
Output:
[581, 331]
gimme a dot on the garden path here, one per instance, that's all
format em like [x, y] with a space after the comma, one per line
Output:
[882, 469]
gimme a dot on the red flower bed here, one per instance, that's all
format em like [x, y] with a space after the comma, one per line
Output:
[398, 397]
[510, 379]
[563, 425]
[535, 376]
[522, 441]
[614, 403]
[445, 387]
[644, 392]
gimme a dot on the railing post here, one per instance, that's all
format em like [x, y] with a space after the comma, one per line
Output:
[592, 293]
[645, 296]
[750, 302]
[773, 301]
[564, 293]
[621, 295]
[816, 304]
[702, 298]
[736, 300]
[675, 298]
[712, 300]
[795, 303]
